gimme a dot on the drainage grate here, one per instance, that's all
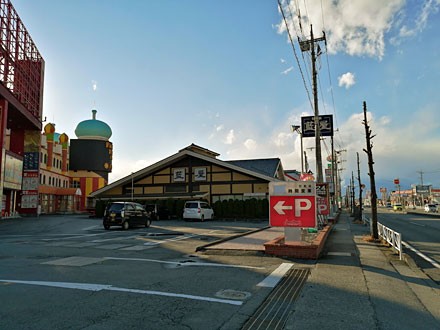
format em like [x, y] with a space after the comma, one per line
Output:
[275, 310]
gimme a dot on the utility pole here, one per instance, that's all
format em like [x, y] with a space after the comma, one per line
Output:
[309, 45]
[421, 176]
[373, 222]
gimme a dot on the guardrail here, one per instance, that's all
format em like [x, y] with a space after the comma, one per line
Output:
[392, 237]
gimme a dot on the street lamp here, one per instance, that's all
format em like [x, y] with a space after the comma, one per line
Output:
[296, 128]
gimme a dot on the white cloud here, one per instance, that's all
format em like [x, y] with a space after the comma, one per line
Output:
[430, 7]
[354, 27]
[347, 80]
[230, 137]
[219, 128]
[287, 70]
[250, 144]
[282, 60]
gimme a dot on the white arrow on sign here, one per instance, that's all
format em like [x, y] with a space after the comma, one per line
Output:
[280, 207]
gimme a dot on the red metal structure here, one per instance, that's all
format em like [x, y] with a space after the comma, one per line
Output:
[21, 104]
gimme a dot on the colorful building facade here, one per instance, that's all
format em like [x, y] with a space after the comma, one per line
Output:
[71, 169]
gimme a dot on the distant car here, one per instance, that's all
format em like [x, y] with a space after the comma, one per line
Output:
[397, 207]
[389, 205]
[197, 210]
[126, 215]
[158, 212]
[431, 208]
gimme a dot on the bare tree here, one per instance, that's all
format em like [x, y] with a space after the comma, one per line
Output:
[368, 150]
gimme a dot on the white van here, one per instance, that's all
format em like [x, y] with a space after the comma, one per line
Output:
[197, 210]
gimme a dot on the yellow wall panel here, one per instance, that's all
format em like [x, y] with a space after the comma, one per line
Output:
[164, 171]
[161, 179]
[115, 191]
[221, 177]
[241, 177]
[241, 188]
[147, 180]
[261, 188]
[89, 186]
[204, 188]
[153, 190]
[218, 169]
[221, 189]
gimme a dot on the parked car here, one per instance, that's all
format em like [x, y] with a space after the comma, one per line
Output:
[126, 215]
[431, 208]
[197, 210]
[397, 207]
[158, 212]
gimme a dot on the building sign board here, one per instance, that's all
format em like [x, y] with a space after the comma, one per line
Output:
[325, 125]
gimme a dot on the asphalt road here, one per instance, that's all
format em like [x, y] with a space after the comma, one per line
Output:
[67, 272]
[422, 231]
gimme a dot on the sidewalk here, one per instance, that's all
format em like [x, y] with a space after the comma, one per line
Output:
[362, 285]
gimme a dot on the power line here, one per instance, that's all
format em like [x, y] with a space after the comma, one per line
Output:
[294, 51]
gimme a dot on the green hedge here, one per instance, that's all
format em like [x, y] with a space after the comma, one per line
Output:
[227, 209]
[248, 209]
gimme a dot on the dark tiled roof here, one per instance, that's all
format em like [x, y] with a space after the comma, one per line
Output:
[267, 167]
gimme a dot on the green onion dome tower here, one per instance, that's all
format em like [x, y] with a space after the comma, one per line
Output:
[92, 151]
[93, 129]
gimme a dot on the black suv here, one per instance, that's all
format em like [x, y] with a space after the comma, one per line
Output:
[125, 214]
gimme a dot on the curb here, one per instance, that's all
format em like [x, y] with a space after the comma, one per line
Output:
[203, 247]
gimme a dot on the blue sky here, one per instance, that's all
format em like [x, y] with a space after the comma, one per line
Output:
[222, 74]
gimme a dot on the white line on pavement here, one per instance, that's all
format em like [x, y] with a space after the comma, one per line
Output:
[272, 280]
[171, 239]
[417, 224]
[420, 254]
[183, 263]
[100, 287]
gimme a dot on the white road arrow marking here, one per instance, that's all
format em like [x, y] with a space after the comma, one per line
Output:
[279, 207]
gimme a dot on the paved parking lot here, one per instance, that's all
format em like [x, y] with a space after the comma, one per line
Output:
[78, 275]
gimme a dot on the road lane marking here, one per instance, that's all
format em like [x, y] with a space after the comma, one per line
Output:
[272, 280]
[417, 224]
[420, 254]
[171, 240]
[101, 287]
[92, 227]
[183, 263]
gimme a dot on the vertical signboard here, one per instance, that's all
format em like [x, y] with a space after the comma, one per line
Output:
[292, 204]
[322, 198]
[31, 161]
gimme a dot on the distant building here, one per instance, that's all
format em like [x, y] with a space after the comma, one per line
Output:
[70, 171]
[21, 100]
[196, 173]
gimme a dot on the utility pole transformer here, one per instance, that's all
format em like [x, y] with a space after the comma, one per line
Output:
[309, 45]
[373, 223]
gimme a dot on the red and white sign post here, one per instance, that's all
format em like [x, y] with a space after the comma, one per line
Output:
[292, 205]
